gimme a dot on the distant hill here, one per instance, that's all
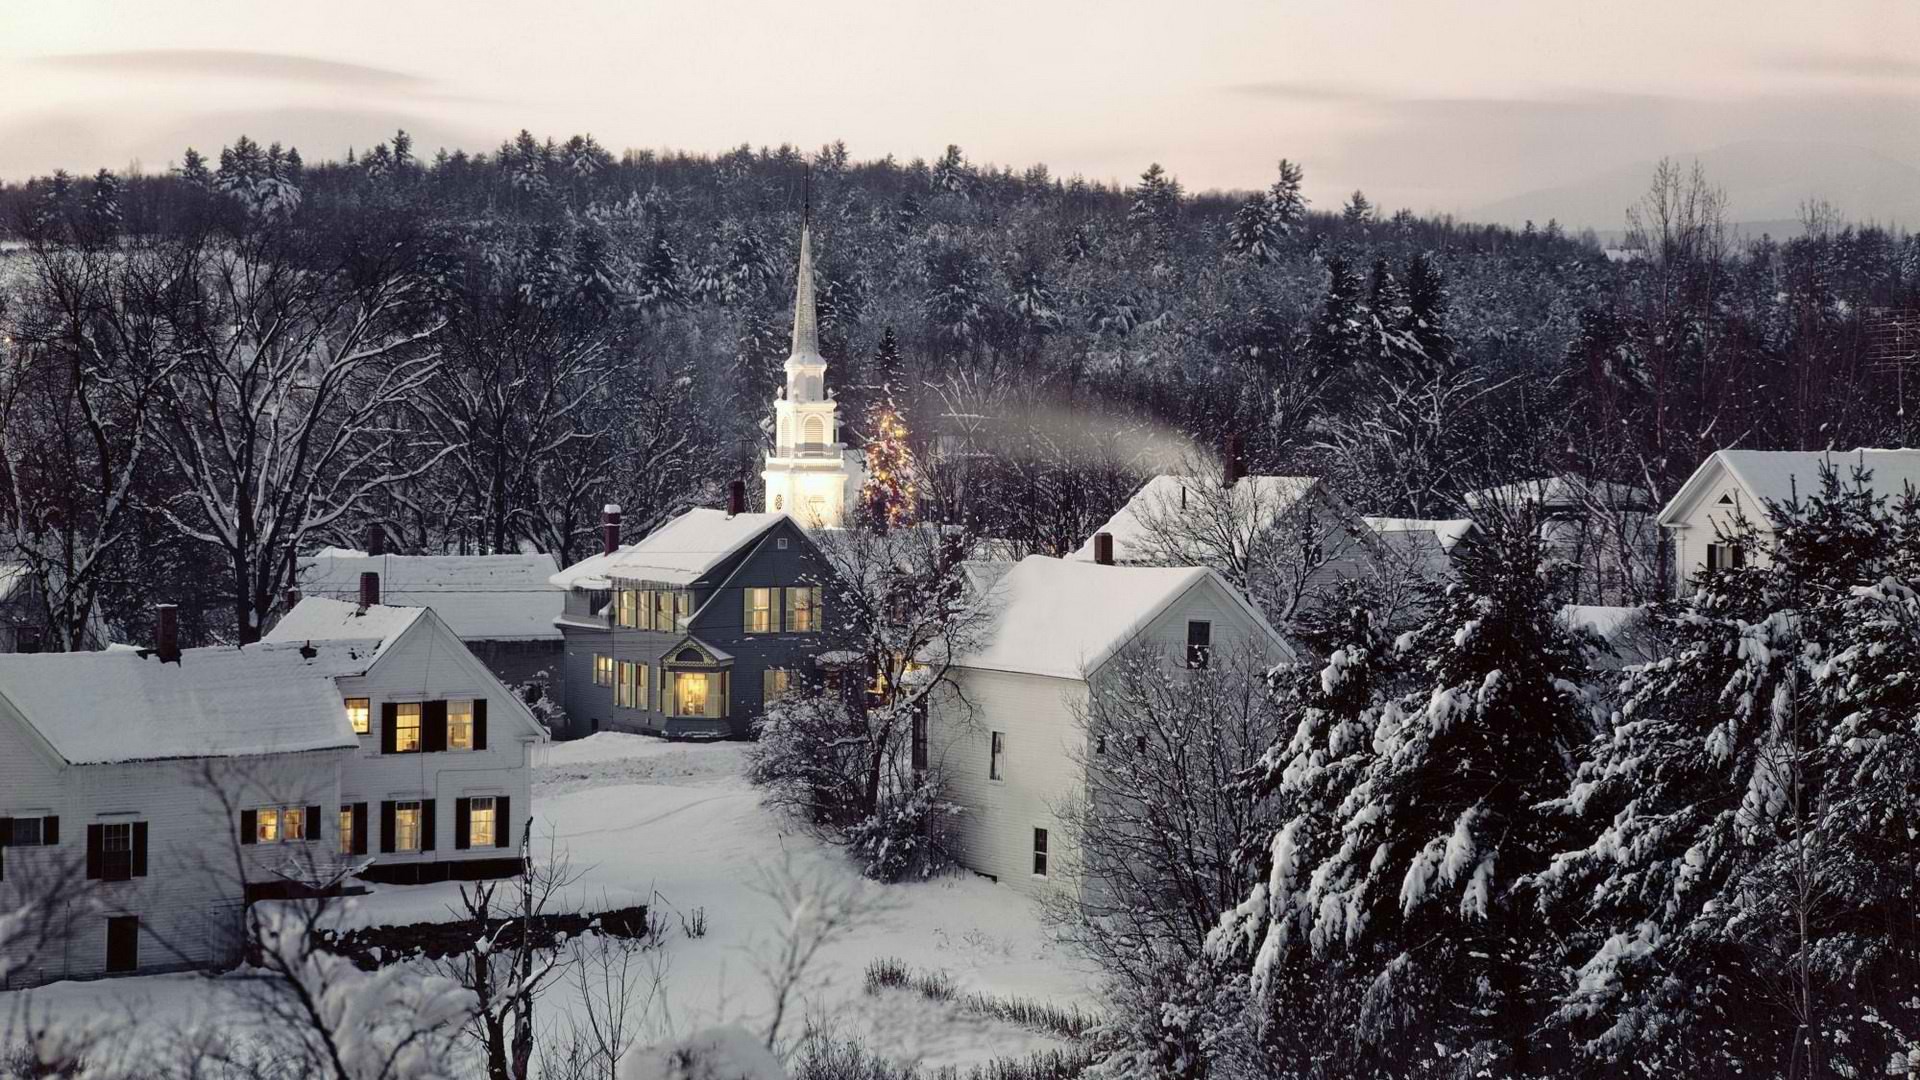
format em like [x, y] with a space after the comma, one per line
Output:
[1765, 182]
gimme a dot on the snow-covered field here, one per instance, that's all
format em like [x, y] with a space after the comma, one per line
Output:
[676, 826]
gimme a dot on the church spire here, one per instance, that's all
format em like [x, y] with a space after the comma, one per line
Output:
[806, 328]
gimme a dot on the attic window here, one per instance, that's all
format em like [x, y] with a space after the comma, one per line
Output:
[1726, 499]
[690, 655]
[780, 543]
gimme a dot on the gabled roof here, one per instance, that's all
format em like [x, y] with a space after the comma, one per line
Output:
[481, 597]
[1426, 543]
[101, 707]
[1777, 475]
[319, 618]
[1563, 490]
[1065, 618]
[680, 552]
[1257, 500]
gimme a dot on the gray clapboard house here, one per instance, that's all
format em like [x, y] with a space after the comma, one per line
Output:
[689, 632]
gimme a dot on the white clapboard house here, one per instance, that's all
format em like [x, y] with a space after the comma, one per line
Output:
[1005, 728]
[1251, 526]
[438, 784]
[123, 778]
[1742, 484]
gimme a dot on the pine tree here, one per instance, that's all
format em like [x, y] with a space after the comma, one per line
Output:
[193, 169]
[1358, 210]
[1402, 883]
[103, 207]
[1289, 206]
[890, 493]
[1338, 341]
[660, 285]
[1428, 311]
[1251, 234]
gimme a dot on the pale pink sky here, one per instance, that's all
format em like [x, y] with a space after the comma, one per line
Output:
[1429, 104]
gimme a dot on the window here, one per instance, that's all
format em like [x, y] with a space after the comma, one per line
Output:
[637, 689]
[603, 671]
[1199, 644]
[627, 608]
[1039, 853]
[26, 832]
[663, 610]
[266, 826]
[406, 728]
[293, 824]
[275, 824]
[682, 606]
[406, 826]
[691, 691]
[759, 618]
[779, 502]
[780, 544]
[775, 683]
[459, 725]
[1099, 745]
[482, 825]
[360, 715]
[997, 756]
[345, 831]
[803, 609]
[116, 851]
[623, 685]
[1725, 556]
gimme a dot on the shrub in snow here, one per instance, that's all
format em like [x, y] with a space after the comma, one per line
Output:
[721, 1053]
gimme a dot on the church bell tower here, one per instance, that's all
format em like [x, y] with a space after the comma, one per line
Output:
[809, 473]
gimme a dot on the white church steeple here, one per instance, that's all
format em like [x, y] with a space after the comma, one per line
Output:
[809, 473]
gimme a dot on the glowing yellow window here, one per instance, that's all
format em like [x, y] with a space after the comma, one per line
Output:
[759, 616]
[603, 671]
[480, 822]
[459, 725]
[690, 693]
[266, 825]
[803, 609]
[359, 715]
[406, 728]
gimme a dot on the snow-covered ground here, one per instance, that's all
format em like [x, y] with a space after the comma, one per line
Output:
[676, 826]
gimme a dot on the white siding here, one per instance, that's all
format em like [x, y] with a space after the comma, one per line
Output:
[429, 664]
[1703, 522]
[189, 900]
[1045, 742]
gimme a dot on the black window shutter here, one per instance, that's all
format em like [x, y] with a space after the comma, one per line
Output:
[249, 825]
[462, 824]
[386, 827]
[389, 719]
[95, 835]
[139, 849]
[50, 830]
[503, 827]
[426, 823]
[480, 723]
[6, 831]
[433, 726]
[313, 823]
[359, 828]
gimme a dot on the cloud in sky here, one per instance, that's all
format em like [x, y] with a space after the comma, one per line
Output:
[233, 63]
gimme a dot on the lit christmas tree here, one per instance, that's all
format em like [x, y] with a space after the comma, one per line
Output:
[890, 490]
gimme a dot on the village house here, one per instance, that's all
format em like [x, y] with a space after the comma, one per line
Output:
[134, 785]
[1740, 485]
[501, 606]
[689, 632]
[1424, 548]
[1288, 538]
[1005, 727]
[23, 615]
[439, 784]
[1606, 530]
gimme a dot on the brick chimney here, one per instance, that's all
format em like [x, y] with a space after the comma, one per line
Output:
[376, 539]
[293, 599]
[166, 633]
[1235, 466]
[369, 590]
[609, 528]
[736, 498]
[1103, 548]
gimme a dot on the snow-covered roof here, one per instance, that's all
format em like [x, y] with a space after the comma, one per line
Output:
[677, 553]
[319, 618]
[1447, 532]
[1603, 620]
[1776, 475]
[100, 707]
[481, 597]
[1256, 500]
[1066, 617]
[1563, 490]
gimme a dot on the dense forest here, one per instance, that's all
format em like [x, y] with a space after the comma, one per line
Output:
[208, 372]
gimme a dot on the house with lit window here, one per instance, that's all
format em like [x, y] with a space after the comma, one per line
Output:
[499, 605]
[1735, 486]
[689, 632]
[147, 795]
[1006, 728]
[438, 786]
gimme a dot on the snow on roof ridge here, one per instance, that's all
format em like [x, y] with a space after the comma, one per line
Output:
[1066, 617]
[1281, 494]
[676, 553]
